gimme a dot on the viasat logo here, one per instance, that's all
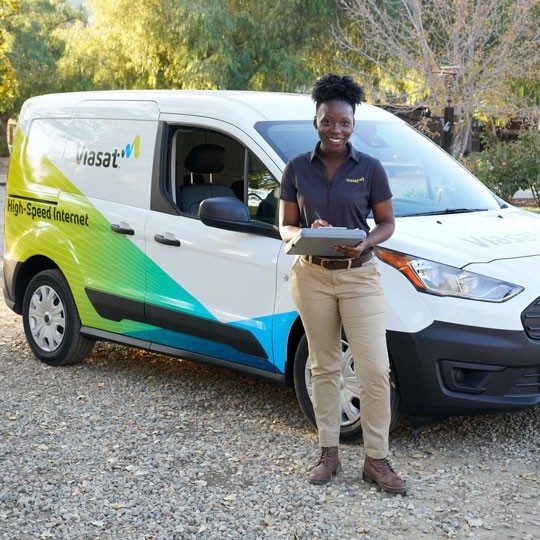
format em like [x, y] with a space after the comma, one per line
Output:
[93, 158]
[133, 148]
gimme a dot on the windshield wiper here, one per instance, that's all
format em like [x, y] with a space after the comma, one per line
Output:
[447, 211]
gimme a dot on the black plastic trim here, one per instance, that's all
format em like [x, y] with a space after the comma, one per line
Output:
[238, 338]
[277, 378]
[122, 230]
[159, 200]
[11, 269]
[9, 302]
[117, 308]
[161, 239]
[530, 319]
[114, 307]
[423, 360]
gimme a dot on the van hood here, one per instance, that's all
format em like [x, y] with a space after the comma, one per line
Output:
[462, 239]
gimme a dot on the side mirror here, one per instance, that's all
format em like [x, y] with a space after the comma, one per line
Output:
[232, 214]
[225, 213]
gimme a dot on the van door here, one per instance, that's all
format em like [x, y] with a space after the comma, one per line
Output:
[219, 300]
[109, 158]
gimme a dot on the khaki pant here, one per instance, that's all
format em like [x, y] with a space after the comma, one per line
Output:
[326, 300]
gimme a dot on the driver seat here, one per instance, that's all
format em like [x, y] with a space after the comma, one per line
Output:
[202, 159]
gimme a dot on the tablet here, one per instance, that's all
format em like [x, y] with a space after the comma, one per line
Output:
[321, 241]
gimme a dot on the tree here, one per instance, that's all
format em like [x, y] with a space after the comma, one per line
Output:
[35, 31]
[8, 82]
[469, 50]
[288, 42]
[122, 47]
[233, 44]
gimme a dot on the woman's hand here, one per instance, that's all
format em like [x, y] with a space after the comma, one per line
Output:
[318, 223]
[351, 252]
[384, 219]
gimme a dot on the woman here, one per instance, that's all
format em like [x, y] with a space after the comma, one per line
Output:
[335, 185]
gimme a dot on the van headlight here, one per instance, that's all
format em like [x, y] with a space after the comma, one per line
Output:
[443, 280]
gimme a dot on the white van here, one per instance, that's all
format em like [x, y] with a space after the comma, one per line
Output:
[107, 237]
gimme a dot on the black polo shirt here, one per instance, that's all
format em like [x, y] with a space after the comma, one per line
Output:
[346, 201]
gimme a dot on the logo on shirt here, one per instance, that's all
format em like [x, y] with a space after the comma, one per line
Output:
[355, 180]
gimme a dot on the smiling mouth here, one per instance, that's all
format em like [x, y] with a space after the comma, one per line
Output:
[334, 140]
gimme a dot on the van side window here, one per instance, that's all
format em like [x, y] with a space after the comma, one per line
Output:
[204, 164]
[207, 163]
[263, 191]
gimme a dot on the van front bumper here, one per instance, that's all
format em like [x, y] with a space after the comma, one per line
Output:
[453, 370]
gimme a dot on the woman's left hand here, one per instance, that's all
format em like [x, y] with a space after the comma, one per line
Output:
[384, 227]
[351, 252]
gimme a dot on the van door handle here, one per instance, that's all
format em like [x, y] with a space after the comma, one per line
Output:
[168, 239]
[122, 228]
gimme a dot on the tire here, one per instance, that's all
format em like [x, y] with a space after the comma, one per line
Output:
[350, 423]
[51, 322]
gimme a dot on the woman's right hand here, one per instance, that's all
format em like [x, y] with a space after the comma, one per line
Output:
[318, 223]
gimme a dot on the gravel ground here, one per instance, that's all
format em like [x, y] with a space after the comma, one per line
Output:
[134, 445]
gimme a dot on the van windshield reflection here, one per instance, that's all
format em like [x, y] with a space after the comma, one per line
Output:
[423, 178]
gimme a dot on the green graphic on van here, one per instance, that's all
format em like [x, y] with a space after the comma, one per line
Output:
[93, 158]
[88, 256]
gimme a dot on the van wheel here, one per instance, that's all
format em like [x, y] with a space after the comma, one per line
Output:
[51, 322]
[350, 402]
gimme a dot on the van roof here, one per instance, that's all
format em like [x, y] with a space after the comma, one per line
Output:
[249, 105]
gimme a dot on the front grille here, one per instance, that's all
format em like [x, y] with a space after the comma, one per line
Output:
[531, 319]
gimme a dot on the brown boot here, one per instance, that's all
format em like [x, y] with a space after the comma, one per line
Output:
[380, 472]
[327, 466]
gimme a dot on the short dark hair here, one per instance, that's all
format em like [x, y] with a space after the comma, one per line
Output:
[332, 87]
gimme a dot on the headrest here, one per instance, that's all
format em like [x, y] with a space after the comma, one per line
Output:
[205, 159]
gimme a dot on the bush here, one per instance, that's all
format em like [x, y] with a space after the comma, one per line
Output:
[505, 167]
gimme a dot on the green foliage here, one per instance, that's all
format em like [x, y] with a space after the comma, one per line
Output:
[508, 167]
[287, 42]
[8, 7]
[529, 146]
[527, 89]
[8, 81]
[233, 44]
[37, 46]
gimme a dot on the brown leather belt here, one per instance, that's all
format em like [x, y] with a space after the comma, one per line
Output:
[340, 264]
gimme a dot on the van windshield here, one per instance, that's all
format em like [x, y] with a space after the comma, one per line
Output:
[423, 178]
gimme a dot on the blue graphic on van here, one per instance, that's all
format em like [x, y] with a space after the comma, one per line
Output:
[209, 348]
[272, 332]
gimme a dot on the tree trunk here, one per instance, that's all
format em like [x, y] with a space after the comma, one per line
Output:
[4, 152]
[462, 135]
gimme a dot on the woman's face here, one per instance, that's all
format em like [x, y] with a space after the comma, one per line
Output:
[334, 121]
